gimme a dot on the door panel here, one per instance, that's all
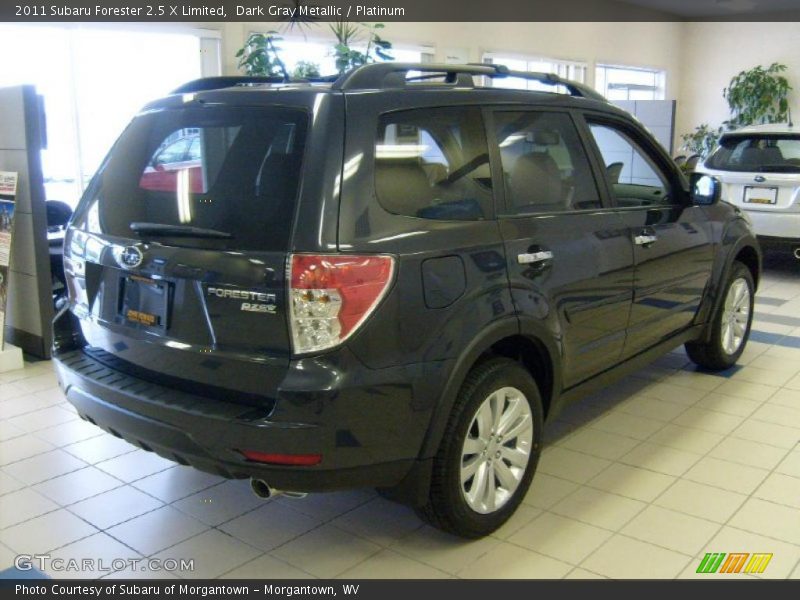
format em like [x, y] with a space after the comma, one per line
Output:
[671, 271]
[417, 184]
[672, 241]
[570, 260]
[583, 291]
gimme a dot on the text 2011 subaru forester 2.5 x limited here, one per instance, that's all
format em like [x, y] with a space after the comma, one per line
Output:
[389, 280]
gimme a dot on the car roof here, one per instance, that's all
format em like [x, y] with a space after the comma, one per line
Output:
[305, 95]
[762, 129]
[399, 78]
[259, 91]
[453, 84]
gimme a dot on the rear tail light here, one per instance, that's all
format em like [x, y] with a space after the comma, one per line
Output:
[330, 296]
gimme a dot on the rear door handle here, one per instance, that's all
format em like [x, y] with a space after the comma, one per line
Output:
[644, 239]
[534, 257]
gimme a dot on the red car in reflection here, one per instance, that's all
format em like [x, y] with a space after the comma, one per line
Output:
[177, 164]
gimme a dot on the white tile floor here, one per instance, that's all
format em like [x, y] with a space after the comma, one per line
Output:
[640, 480]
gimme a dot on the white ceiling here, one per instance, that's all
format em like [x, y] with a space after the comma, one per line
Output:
[717, 8]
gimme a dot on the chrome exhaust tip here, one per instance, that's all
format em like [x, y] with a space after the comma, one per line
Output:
[263, 490]
[797, 253]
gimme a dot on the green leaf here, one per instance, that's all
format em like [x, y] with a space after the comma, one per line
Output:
[757, 95]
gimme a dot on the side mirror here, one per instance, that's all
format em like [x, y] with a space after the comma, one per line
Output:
[704, 189]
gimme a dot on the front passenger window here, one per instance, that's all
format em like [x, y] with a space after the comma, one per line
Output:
[634, 178]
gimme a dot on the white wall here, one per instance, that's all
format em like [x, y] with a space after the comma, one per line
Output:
[699, 57]
[715, 52]
[640, 44]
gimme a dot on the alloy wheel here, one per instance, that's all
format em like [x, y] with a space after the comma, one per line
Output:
[735, 316]
[496, 450]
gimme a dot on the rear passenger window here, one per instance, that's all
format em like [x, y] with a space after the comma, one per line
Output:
[545, 168]
[434, 164]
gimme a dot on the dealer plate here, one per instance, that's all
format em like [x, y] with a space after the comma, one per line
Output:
[760, 195]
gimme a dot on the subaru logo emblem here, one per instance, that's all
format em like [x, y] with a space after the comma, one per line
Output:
[759, 178]
[130, 257]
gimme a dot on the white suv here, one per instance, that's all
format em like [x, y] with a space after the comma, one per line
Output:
[759, 167]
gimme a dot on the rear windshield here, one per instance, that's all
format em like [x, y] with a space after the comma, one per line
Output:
[232, 170]
[757, 153]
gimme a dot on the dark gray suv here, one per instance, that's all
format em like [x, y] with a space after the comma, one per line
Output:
[387, 280]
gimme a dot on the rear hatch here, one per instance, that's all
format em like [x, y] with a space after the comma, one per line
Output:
[176, 258]
[759, 172]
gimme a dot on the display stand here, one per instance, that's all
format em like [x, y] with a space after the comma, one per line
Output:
[29, 282]
[10, 356]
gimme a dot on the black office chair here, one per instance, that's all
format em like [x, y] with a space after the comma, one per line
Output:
[58, 216]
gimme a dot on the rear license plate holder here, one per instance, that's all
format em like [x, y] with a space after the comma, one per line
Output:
[760, 195]
[144, 302]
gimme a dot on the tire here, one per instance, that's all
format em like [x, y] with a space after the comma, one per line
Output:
[721, 351]
[474, 510]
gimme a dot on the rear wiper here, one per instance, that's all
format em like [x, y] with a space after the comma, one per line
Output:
[178, 230]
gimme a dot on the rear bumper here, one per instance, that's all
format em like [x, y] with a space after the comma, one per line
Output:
[206, 433]
[781, 226]
[778, 243]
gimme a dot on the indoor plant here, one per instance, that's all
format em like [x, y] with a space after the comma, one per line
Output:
[347, 34]
[703, 140]
[260, 57]
[306, 70]
[756, 96]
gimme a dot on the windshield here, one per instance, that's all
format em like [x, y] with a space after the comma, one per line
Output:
[233, 170]
[777, 153]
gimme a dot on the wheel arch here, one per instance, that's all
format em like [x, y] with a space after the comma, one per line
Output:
[738, 244]
[534, 356]
[526, 342]
[749, 257]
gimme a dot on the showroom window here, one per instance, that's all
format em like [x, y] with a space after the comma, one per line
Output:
[575, 71]
[294, 50]
[630, 83]
[90, 93]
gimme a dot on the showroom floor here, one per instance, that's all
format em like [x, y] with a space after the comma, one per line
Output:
[638, 481]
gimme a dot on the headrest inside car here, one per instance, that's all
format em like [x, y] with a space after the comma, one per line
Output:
[545, 137]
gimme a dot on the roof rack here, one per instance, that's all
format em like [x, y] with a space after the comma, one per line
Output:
[392, 75]
[389, 75]
[215, 83]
